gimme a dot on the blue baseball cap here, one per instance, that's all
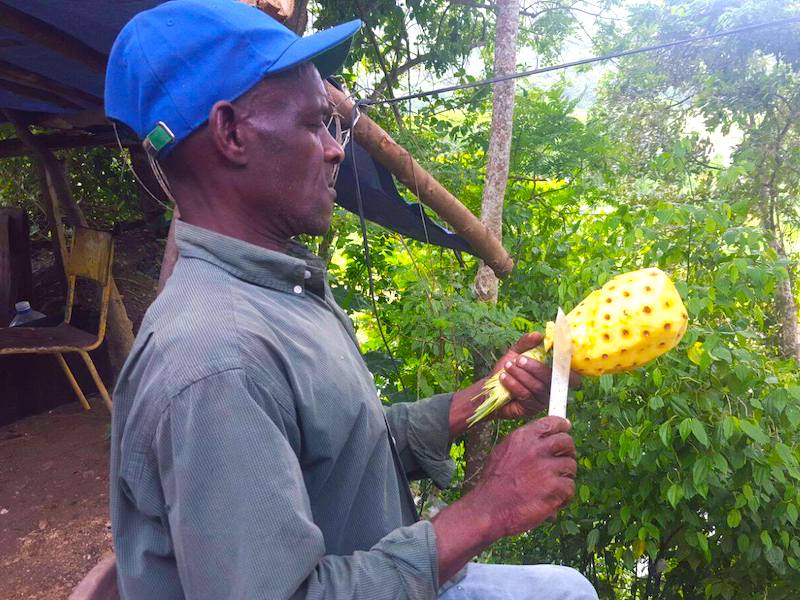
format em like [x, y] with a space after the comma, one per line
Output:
[170, 64]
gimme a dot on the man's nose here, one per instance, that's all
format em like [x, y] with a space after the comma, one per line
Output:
[334, 152]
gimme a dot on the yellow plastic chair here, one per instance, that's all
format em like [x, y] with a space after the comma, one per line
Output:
[89, 258]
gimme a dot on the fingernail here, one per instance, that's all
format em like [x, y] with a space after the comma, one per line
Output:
[509, 364]
[502, 375]
[522, 361]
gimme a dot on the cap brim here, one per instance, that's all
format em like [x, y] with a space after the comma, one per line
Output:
[327, 49]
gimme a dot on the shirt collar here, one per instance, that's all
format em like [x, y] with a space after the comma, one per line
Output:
[293, 272]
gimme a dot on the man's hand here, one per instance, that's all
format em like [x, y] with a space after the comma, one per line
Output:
[529, 476]
[526, 379]
[527, 479]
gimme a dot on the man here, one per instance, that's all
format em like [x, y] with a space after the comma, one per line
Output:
[251, 455]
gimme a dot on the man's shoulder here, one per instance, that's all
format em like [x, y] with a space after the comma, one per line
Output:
[200, 324]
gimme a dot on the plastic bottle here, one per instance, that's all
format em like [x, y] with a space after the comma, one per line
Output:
[25, 314]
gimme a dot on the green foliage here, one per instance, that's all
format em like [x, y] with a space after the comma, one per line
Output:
[689, 475]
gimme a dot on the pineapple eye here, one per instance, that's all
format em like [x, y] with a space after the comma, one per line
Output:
[623, 350]
[626, 293]
[578, 314]
[605, 356]
[667, 304]
[607, 317]
[586, 359]
[647, 288]
[685, 316]
[625, 333]
[662, 344]
[611, 288]
[667, 326]
[646, 333]
[606, 337]
[647, 310]
[608, 300]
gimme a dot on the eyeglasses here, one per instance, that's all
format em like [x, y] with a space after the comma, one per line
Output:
[340, 134]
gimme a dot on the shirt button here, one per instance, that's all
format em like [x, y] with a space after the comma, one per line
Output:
[307, 274]
[298, 289]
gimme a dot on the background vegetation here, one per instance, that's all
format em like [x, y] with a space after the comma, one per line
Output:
[688, 160]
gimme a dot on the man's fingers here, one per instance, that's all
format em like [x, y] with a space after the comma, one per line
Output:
[541, 371]
[549, 425]
[561, 444]
[524, 384]
[567, 467]
[526, 342]
[517, 389]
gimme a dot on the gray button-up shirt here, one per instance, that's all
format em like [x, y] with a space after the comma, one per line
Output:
[250, 455]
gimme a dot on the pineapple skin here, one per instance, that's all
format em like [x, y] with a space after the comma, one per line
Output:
[634, 318]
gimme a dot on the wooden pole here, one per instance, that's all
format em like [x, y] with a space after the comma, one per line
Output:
[422, 184]
[50, 201]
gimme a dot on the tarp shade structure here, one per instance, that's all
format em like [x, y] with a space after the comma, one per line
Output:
[384, 205]
[46, 82]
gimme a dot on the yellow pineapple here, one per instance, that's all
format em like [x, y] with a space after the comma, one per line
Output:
[633, 319]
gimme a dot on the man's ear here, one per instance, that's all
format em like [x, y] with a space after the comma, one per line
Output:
[224, 127]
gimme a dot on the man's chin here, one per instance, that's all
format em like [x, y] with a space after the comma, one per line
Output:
[320, 227]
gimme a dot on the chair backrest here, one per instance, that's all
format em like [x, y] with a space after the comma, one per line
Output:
[90, 257]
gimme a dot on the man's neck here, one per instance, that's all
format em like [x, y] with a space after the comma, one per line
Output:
[227, 217]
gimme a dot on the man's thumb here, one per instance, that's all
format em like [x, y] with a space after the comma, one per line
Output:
[526, 342]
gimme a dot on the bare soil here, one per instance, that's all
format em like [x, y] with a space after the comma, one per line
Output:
[54, 523]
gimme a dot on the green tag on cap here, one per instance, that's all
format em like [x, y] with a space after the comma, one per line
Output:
[158, 138]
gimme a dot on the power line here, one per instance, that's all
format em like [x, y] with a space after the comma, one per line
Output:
[583, 61]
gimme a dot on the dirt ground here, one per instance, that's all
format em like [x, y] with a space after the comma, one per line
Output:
[54, 524]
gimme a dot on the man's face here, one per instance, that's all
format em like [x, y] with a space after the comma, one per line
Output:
[292, 154]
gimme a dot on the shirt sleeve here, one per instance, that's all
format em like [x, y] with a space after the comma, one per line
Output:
[422, 435]
[239, 515]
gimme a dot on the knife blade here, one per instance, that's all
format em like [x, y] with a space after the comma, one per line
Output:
[562, 358]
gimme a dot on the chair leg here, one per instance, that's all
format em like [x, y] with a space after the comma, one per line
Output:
[97, 381]
[76, 388]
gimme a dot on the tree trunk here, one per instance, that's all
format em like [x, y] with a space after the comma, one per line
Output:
[786, 308]
[505, 61]
[785, 304]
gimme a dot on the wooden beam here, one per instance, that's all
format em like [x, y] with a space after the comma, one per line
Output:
[50, 37]
[37, 94]
[86, 119]
[12, 72]
[422, 184]
[16, 147]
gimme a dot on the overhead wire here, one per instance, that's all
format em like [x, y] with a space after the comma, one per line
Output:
[583, 61]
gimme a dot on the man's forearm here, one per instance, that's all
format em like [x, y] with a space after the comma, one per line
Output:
[463, 530]
[462, 406]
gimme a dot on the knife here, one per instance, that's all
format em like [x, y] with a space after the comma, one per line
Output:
[562, 358]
